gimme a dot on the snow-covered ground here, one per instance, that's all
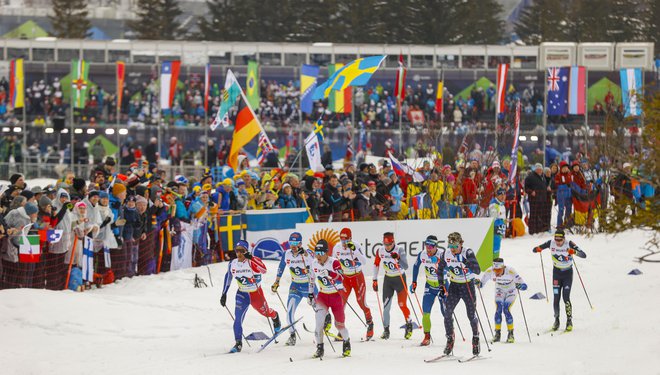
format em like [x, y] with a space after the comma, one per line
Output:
[163, 325]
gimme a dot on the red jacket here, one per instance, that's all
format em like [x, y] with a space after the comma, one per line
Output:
[563, 179]
[469, 191]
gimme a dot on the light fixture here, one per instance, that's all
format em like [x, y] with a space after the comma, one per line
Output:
[18, 129]
[534, 138]
[5, 129]
[65, 131]
[522, 138]
[78, 131]
[91, 131]
[110, 131]
[49, 130]
[123, 131]
[322, 44]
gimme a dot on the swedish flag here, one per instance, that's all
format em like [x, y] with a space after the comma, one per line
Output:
[355, 73]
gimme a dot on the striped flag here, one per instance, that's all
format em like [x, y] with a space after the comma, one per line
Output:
[79, 82]
[29, 250]
[438, 97]
[121, 76]
[514, 148]
[400, 84]
[462, 149]
[16, 84]
[339, 101]
[502, 71]
[264, 147]
[631, 87]
[349, 144]
[169, 76]
[577, 87]
[207, 86]
[308, 82]
[246, 127]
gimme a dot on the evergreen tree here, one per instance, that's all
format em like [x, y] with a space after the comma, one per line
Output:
[69, 19]
[590, 20]
[626, 21]
[477, 22]
[542, 21]
[401, 20]
[437, 21]
[156, 19]
[653, 22]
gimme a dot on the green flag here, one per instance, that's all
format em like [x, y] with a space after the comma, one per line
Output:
[229, 95]
[79, 82]
[252, 85]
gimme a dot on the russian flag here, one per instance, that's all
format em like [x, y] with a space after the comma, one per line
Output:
[402, 170]
[418, 202]
[577, 87]
[169, 76]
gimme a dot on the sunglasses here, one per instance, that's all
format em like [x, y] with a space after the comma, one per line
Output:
[319, 252]
[559, 239]
[430, 245]
[453, 246]
[294, 243]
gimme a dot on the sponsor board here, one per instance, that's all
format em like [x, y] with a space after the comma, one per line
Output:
[477, 233]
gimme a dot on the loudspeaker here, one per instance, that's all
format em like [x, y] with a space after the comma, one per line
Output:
[59, 123]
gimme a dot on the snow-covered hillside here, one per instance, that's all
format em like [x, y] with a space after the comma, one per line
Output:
[163, 325]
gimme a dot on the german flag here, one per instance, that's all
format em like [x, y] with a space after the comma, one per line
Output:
[246, 127]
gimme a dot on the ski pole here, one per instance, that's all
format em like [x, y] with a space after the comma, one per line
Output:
[545, 284]
[405, 289]
[420, 307]
[467, 286]
[380, 309]
[581, 282]
[459, 327]
[524, 317]
[348, 304]
[232, 318]
[485, 311]
[287, 313]
[210, 278]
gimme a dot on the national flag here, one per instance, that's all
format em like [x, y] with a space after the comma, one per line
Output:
[502, 71]
[263, 148]
[231, 92]
[400, 84]
[88, 259]
[462, 149]
[362, 138]
[308, 82]
[403, 169]
[557, 91]
[318, 129]
[79, 82]
[169, 76]
[313, 148]
[438, 97]
[232, 228]
[121, 76]
[349, 144]
[340, 101]
[631, 87]
[29, 249]
[16, 84]
[355, 73]
[514, 148]
[577, 87]
[207, 86]
[252, 84]
[50, 235]
[246, 128]
[289, 143]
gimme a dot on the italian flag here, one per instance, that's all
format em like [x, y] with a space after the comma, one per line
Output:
[29, 250]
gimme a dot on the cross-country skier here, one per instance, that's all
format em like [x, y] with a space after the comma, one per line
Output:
[326, 270]
[562, 273]
[506, 280]
[497, 211]
[461, 266]
[351, 257]
[298, 260]
[247, 270]
[429, 260]
[395, 262]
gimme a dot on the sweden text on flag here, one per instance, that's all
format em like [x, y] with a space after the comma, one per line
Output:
[355, 73]
[308, 81]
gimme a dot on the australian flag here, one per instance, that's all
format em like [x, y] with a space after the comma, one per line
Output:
[557, 91]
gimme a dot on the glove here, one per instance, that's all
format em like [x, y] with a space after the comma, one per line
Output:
[248, 255]
[536, 250]
[374, 285]
[223, 300]
[413, 286]
[274, 287]
[310, 298]
[500, 230]
[477, 283]
[395, 256]
[442, 292]
[522, 286]
[571, 251]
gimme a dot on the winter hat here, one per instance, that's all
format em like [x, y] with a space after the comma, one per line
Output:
[118, 189]
[81, 204]
[27, 194]
[15, 178]
[538, 166]
[78, 183]
[44, 201]
[93, 193]
[31, 208]
[109, 161]
[496, 164]
[103, 194]
[140, 199]
[63, 193]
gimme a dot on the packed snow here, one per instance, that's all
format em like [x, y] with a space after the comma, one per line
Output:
[161, 324]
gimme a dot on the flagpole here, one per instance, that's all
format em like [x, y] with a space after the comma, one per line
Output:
[72, 106]
[207, 91]
[352, 118]
[442, 109]
[24, 138]
[586, 110]
[545, 109]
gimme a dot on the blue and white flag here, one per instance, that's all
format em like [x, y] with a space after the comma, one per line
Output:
[268, 230]
[557, 91]
[88, 260]
[308, 77]
[631, 87]
[313, 148]
[54, 235]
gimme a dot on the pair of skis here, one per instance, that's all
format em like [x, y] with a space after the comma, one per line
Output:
[270, 340]
[451, 357]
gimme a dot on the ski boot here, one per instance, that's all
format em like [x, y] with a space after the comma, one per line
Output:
[510, 338]
[569, 317]
[569, 325]
[291, 341]
[555, 325]
[386, 333]
[427, 339]
[450, 345]
[319, 351]
[498, 336]
[238, 347]
[370, 329]
[475, 345]
[409, 329]
[276, 323]
[328, 323]
[346, 350]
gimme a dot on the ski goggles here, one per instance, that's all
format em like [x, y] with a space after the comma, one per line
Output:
[430, 244]
[320, 252]
[453, 246]
[559, 239]
[294, 243]
[498, 265]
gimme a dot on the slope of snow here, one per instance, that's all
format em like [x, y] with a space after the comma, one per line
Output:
[163, 325]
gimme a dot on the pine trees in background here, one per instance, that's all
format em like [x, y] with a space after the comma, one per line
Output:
[543, 20]
[157, 19]
[69, 19]
[477, 22]
[653, 33]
